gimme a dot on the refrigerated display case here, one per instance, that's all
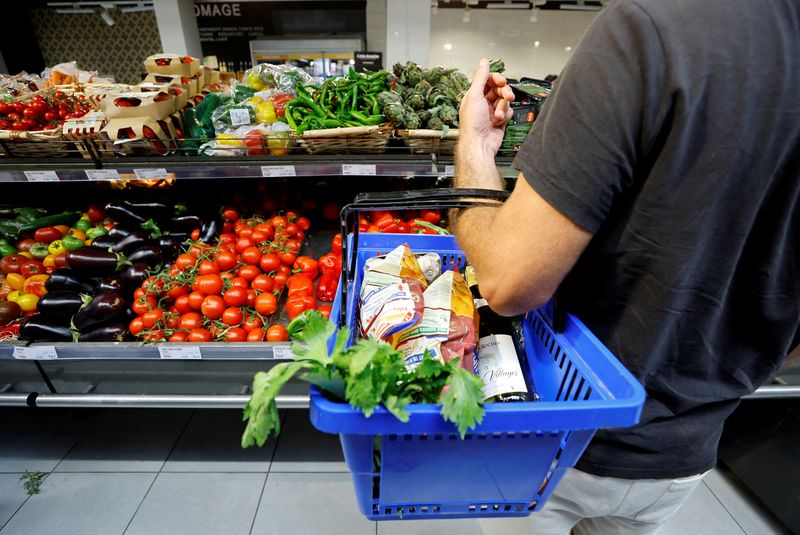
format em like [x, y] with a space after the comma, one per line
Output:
[319, 57]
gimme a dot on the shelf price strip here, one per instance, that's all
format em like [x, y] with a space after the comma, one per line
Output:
[102, 174]
[278, 170]
[35, 353]
[41, 176]
[282, 352]
[358, 169]
[149, 174]
[179, 352]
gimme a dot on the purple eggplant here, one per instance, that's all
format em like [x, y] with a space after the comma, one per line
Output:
[185, 223]
[66, 279]
[95, 262]
[119, 232]
[131, 242]
[60, 304]
[133, 276]
[103, 308]
[209, 231]
[114, 332]
[123, 213]
[149, 254]
[170, 244]
[104, 242]
[111, 284]
[37, 328]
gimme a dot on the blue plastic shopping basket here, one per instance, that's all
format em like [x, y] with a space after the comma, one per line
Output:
[510, 464]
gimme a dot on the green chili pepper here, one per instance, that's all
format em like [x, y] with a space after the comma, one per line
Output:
[39, 251]
[27, 215]
[96, 232]
[64, 218]
[6, 248]
[83, 224]
[9, 228]
[71, 243]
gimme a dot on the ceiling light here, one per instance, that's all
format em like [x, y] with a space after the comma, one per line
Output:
[448, 46]
[525, 5]
[536, 44]
[75, 11]
[534, 15]
[106, 16]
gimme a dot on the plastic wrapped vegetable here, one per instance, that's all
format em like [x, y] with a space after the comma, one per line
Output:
[277, 78]
[231, 116]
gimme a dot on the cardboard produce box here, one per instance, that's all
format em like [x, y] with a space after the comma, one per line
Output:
[156, 105]
[96, 93]
[180, 94]
[140, 136]
[172, 64]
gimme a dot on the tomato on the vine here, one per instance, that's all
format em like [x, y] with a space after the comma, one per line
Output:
[207, 267]
[231, 214]
[279, 281]
[208, 284]
[251, 256]
[236, 334]
[240, 282]
[243, 243]
[196, 300]
[182, 304]
[270, 262]
[178, 291]
[151, 317]
[287, 258]
[232, 316]
[248, 272]
[185, 261]
[304, 224]
[199, 335]
[191, 320]
[136, 326]
[278, 221]
[256, 335]
[266, 304]
[277, 333]
[251, 298]
[227, 260]
[262, 283]
[235, 296]
[178, 336]
[213, 306]
[143, 305]
[251, 323]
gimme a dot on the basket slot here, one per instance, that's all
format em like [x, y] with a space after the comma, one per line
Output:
[564, 380]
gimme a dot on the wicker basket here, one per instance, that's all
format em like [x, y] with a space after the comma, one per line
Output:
[430, 141]
[353, 140]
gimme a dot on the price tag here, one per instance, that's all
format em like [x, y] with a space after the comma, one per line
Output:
[282, 352]
[449, 170]
[358, 169]
[35, 353]
[41, 176]
[278, 170]
[179, 352]
[102, 174]
[239, 116]
[148, 174]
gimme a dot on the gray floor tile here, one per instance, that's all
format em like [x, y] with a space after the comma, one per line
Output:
[301, 448]
[81, 504]
[702, 513]
[12, 495]
[199, 504]
[212, 443]
[430, 527]
[37, 439]
[749, 515]
[302, 504]
[127, 440]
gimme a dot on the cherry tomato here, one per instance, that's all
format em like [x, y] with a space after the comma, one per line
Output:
[304, 225]
[213, 306]
[186, 261]
[262, 283]
[270, 262]
[240, 282]
[259, 237]
[248, 272]
[196, 300]
[251, 298]
[266, 228]
[256, 335]
[246, 233]
[232, 316]
[252, 323]
[266, 304]
[226, 260]
[287, 259]
[236, 334]
[293, 245]
[207, 267]
[277, 333]
[151, 317]
[182, 304]
[191, 320]
[279, 281]
[179, 290]
[278, 221]
[199, 335]
[95, 213]
[291, 229]
[208, 284]
[136, 326]
[235, 296]
[179, 336]
[231, 214]
[251, 256]
[172, 319]
[144, 304]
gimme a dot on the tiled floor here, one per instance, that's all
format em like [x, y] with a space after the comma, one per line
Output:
[147, 472]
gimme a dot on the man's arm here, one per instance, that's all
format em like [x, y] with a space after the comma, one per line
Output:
[521, 251]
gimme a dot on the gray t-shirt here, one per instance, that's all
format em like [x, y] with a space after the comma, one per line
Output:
[674, 136]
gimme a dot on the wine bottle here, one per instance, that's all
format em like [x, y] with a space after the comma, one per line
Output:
[498, 363]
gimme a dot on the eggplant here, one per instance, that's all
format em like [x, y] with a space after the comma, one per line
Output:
[95, 262]
[170, 244]
[105, 242]
[61, 305]
[103, 308]
[37, 328]
[185, 222]
[123, 212]
[131, 242]
[149, 254]
[209, 231]
[133, 276]
[118, 232]
[152, 210]
[111, 284]
[66, 279]
[115, 332]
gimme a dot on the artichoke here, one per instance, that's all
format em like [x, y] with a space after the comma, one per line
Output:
[434, 98]
[412, 121]
[414, 73]
[415, 100]
[395, 113]
[434, 75]
[448, 115]
[434, 123]
[496, 65]
[424, 115]
[389, 97]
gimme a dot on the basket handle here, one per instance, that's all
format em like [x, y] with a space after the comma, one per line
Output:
[401, 200]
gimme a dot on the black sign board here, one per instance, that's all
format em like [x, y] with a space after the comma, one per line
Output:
[371, 61]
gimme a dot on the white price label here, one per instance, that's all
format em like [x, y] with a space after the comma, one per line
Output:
[358, 169]
[278, 170]
[282, 352]
[148, 174]
[449, 170]
[35, 353]
[41, 176]
[102, 174]
[239, 116]
[179, 352]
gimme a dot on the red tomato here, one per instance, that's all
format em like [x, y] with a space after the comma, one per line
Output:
[251, 298]
[287, 259]
[185, 261]
[227, 260]
[262, 283]
[47, 235]
[246, 233]
[294, 245]
[207, 267]
[179, 336]
[191, 320]
[177, 291]
[235, 296]
[172, 319]
[196, 300]
[251, 256]
[252, 323]
[199, 335]
[256, 335]
[431, 216]
[153, 336]
[291, 229]
[266, 228]
[182, 304]
[150, 318]
[277, 333]
[243, 244]
[232, 316]
[231, 214]
[208, 284]
[304, 225]
[30, 268]
[144, 304]
[270, 262]
[236, 335]
[240, 282]
[248, 272]
[279, 281]
[266, 304]
[213, 306]
[95, 213]
[259, 237]
[136, 326]
[278, 221]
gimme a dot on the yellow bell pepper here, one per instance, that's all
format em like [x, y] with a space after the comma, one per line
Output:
[56, 247]
[14, 296]
[27, 302]
[63, 229]
[230, 140]
[81, 235]
[26, 254]
[49, 260]
[254, 100]
[265, 112]
[279, 143]
[15, 280]
[253, 80]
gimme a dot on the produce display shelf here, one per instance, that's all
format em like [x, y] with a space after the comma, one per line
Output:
[65, 170]
[139, 351]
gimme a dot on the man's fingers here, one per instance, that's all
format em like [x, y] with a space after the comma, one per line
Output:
[496, 79]
[480, 77]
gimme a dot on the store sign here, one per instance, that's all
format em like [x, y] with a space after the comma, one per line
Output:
[218, 10]
[371, 61]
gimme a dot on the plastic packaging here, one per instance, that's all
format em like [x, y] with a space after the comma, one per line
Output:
[276, 78]
[231, 116]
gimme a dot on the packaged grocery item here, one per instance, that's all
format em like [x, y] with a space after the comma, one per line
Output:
[447, 329]
[231, 116]
[391, 296]
[67, 73]
[172, 64]
[136, 136]
[156, 105]
[276, 78]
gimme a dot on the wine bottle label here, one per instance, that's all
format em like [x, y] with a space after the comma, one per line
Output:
[499, 367]
[469, 274]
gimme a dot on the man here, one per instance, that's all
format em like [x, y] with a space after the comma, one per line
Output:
[659, 192]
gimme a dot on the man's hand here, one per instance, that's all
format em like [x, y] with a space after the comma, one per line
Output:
[485, 111]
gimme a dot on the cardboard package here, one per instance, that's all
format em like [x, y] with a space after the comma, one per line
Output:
[172, 64]
[136, 136]
[156, 105]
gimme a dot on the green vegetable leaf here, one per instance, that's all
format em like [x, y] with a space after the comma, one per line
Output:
[261, 412]
[312, 331]
[152, 227]
[462, 402]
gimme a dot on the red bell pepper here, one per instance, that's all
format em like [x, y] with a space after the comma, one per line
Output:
[326, 290]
